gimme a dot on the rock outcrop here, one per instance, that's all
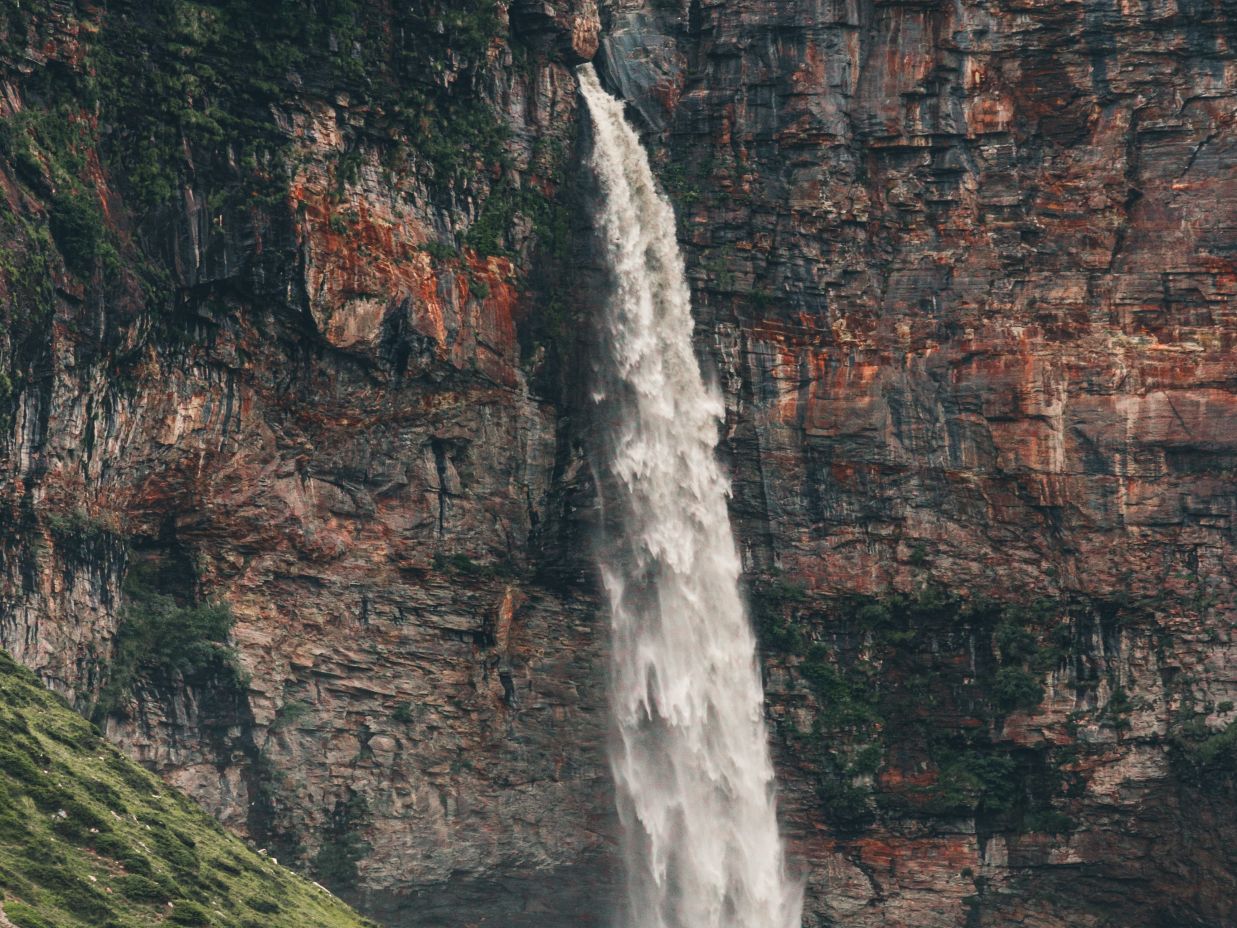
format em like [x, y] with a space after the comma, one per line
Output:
[296, 317]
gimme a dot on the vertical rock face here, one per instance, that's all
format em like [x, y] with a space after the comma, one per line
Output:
[332, 410]
[965, 273]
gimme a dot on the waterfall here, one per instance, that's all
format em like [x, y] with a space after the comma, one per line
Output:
[690, 754]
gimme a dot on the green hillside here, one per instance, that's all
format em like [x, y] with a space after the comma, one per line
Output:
[90, 840]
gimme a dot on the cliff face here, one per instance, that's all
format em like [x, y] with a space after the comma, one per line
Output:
[295, 373]
[967, 277]
[296, 319]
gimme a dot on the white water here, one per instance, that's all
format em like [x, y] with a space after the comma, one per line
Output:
[690, 755]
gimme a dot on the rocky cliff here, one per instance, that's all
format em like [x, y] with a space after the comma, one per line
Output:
[297, 353]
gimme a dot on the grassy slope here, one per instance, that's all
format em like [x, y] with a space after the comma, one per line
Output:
[90, 840]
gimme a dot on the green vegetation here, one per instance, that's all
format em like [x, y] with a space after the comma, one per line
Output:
[77, 532]
[77, 226]
[1117, 711]
[773, 606]
[441, 252]
[160, 640]
[846, 801]
[49, 145]
[89, 839]
[182, 78]
[175, 94]
[683, 183]
[1015, 689]
[909, 693]
[1206, 756]
[342, 846]
[847, 701]
[403, 713]
[489, 235]
[291, 712]
[970, 779]
[465, 566]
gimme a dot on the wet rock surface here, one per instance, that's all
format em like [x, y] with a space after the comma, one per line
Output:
[959, 270]
[965, 277]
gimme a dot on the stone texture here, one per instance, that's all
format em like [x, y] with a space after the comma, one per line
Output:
[965, 274]
[962, 273]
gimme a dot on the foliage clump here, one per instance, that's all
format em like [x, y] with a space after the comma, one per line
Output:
[1015, 689]
[342, 846]
[161, 640]
[909, 693]
[1206, 756]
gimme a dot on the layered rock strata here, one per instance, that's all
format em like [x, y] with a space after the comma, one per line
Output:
[964, 273]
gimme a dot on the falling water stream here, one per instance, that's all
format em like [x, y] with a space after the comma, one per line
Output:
[690, 752]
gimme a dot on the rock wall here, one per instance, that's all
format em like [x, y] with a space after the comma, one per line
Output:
[964, 273]
[334, 412]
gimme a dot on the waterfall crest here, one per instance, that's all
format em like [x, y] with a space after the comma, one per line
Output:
[690, 754]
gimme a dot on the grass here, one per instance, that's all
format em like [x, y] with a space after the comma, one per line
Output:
[90, 840]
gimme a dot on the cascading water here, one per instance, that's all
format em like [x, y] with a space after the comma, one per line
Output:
[690, 755]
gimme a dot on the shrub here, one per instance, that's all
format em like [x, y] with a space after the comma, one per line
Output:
[106, 794]
[13, 824]
[70, 892]
[440, 251]
[844, 702]
[159, 639]
[23, 916]
[220, 864]
[78, 820]
[175, 854]
[290, 712]
[47, 794]
[263, 905]
[85, 817]
[970, 779]
[14, 882]
[1116, 712]
[185, 912]
[466, 566]
[1048, 821]
[1016, 689]
[110, 845]
[136, 863]
[18, 766]
[1218, 750]
[133, 776]
[15, 145]
[1015, 642]
[770, 604]
[1208, 754]
[141, 889]
[78, 230]
[342, 847]
[403, 713]
[847, 807]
